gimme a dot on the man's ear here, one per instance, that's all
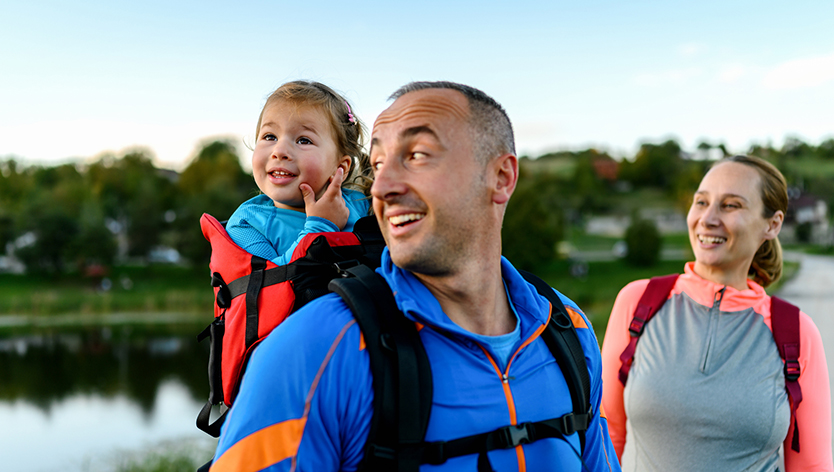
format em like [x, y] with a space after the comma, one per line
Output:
[503, 172]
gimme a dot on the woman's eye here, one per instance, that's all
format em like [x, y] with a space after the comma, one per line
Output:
[303, 140]
[418, 155]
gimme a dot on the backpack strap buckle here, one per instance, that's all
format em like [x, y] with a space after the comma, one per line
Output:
[514, 435]
[792, 369]
[435, 453]
[639, 320]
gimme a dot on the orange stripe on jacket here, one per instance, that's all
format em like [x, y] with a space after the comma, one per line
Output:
[577, 319]
[262, 448]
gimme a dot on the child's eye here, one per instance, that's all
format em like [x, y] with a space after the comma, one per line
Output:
[303, 140]
[268, 137]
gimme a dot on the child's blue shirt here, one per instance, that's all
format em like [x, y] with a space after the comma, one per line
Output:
[264, 230]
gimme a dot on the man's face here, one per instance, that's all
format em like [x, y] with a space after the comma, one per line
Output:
[429, 192]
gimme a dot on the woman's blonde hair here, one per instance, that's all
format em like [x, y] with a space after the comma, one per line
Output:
[767, 263]
[348, 131]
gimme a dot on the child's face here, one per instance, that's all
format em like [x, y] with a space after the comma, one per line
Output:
[294, 145]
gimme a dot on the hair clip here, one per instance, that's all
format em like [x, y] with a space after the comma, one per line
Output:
[351, 118]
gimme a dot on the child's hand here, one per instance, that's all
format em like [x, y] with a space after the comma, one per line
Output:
[331, 206]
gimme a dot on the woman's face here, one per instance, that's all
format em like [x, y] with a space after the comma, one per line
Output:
[726, 226]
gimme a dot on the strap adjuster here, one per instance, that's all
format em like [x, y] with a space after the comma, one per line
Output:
[792, 370]
[568, 424]
[385, 453]
[435, 453]
[639, 321]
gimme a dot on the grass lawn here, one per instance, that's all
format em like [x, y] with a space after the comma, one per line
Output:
[595, 293]
[156, 288]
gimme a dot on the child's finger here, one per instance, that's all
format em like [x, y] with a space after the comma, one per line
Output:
[335, 187]
[308, 195]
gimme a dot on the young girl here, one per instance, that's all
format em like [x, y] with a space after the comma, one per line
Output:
[308, 152]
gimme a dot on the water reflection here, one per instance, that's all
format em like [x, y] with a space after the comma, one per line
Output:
[48, 367]
[84, 393]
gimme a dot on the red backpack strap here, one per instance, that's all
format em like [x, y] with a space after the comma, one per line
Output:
[656, 294]
[784, 321]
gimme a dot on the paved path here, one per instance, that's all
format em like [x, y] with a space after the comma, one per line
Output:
[812, 289]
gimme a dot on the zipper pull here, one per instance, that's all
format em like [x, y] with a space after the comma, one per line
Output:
[719, 295]
[504, 378]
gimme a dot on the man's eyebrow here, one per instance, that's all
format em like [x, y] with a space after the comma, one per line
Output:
[415, 130]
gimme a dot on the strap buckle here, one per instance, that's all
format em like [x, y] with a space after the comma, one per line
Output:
[515, 435]
[343, 266]
[639, 320]
[385, 453]
[792, 369]
[435, 453]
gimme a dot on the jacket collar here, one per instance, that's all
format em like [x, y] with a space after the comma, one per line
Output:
[706, 292]
[419, 304]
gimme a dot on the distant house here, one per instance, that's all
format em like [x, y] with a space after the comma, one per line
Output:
[605, 167]
[809, 210]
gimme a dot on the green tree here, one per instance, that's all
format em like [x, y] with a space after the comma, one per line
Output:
[532, 223]
[654, 165]
[643, 242]
[214, 183]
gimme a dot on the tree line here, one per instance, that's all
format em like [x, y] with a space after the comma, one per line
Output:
[70, 217]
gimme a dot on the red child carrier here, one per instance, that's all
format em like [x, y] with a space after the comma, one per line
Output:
[784, 319]
[253, 296]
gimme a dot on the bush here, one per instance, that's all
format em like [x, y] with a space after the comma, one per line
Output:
[532, 227]
[803, 232]
[643, 241]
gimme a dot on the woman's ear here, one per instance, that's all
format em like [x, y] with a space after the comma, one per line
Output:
[504, 175]
[774, 225]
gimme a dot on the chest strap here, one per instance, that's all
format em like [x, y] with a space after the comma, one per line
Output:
[508, 437]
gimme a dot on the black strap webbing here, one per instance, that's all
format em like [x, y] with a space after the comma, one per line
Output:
[402, 403]
[560, 337]
[253, 291]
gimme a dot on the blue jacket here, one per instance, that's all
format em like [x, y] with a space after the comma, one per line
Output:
[263, 229]
[305, 402]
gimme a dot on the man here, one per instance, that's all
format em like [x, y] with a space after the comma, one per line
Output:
[445, 167]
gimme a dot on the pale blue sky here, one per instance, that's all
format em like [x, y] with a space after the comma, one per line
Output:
[80, 79]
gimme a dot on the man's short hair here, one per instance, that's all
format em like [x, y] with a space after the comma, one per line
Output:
[492, 132]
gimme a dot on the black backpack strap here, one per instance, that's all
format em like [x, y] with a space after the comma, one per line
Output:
[402, 403]
[560, 337]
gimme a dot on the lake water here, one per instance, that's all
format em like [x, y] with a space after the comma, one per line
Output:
[82, 399]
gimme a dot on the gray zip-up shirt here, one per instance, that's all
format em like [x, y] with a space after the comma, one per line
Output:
[706, 391]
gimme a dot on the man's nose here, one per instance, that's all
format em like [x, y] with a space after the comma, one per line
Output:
[388, 181]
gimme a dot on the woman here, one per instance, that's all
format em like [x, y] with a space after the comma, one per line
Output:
[706, 389]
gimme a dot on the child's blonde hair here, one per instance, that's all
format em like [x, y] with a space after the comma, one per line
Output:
[348, 131]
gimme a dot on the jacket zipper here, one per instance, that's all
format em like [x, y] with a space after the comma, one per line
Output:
[712, 328]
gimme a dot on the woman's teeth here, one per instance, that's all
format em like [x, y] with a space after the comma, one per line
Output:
[711, 239]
